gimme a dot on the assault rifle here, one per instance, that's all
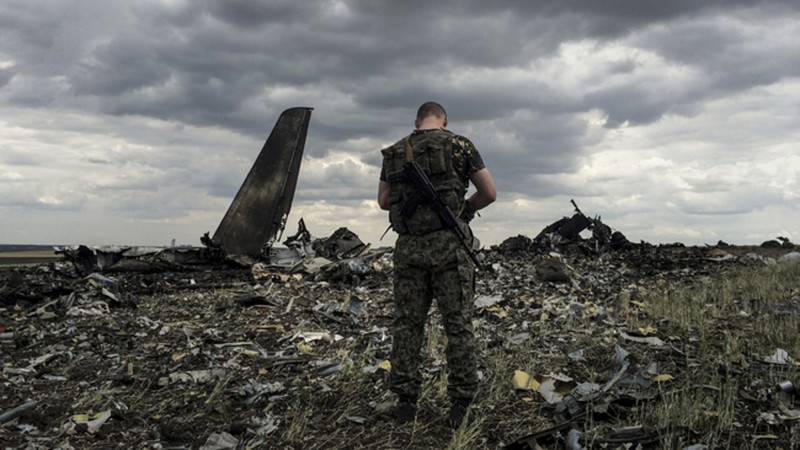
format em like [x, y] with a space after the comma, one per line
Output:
[428, 193]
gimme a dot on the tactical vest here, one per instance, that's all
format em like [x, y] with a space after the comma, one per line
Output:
[433, 151]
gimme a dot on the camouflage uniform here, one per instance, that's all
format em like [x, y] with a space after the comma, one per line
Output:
[433, 264]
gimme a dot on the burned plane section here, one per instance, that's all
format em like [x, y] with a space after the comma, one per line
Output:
[256, 216]
[564, 236]
[258, 212]
[113, 258]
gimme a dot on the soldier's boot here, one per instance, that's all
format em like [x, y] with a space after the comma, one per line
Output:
[405, 411]
[458, 412]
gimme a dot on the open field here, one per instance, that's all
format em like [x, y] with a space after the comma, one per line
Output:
[18, 258]
[669, 348]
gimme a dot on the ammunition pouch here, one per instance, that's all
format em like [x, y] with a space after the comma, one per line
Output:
[409, 211]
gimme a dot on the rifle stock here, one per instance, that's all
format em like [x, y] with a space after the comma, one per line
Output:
[426, 190]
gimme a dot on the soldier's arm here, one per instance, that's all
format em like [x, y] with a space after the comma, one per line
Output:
[486, 191]
[383, 195]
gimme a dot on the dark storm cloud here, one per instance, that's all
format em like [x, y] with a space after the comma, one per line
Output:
[32, 100]
[246, 13]
[28, 24]
[200, 68]
[237, 64]
[531, 143]
[118, 67]
[632, 104]
[731, 55]
[6, 75]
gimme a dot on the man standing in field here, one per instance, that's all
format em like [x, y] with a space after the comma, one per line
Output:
[429, 260]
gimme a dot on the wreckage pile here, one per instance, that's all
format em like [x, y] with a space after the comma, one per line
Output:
[586, 343]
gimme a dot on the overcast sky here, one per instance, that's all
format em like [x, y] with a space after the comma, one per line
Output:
[136, 122]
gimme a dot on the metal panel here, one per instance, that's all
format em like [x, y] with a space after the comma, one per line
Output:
[259, 210]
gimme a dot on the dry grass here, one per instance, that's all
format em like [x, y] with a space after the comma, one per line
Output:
[717, 327]
[729, 323]
[720, 324]
[14, 259]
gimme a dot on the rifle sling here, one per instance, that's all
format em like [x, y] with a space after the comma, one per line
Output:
[417, 198]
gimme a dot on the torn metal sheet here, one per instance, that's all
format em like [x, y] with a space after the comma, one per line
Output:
[564, 235]
[652, 340]
[89, 259]
[486, 301]
[259, 210]
[780, 356]
[220, 441]
[342, 244]
[87, 423]
[573, 440]
[304, 254]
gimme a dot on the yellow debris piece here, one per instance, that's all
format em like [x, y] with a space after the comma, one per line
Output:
[83, 418]
[277, 327]
[647, 331]
[765, 436]
[523, 381]
[385, 365]
[499, 311]
[662, 377]
[304, 348]
[246, 351]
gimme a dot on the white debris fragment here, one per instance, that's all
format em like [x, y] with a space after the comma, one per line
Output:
[651, 340]
[309, 336]
[486, 301]
[220, 441]
[780, 356]
[791, 256]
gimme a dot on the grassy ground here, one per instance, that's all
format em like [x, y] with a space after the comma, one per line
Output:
[706, 383]
[715, 391]
[10, 259]
[725, 389]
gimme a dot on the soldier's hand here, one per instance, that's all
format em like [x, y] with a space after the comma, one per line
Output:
[467, 213]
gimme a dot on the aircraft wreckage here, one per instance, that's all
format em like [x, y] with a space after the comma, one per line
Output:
[255, 219]
[259, 210]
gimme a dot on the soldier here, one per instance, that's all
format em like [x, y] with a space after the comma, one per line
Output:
[429, 260]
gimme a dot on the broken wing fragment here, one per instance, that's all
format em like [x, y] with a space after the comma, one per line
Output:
[259, 210]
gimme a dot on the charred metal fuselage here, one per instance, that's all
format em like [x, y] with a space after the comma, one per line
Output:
[259, 210]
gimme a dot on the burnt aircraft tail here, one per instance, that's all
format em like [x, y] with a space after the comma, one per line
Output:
[259, 210]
